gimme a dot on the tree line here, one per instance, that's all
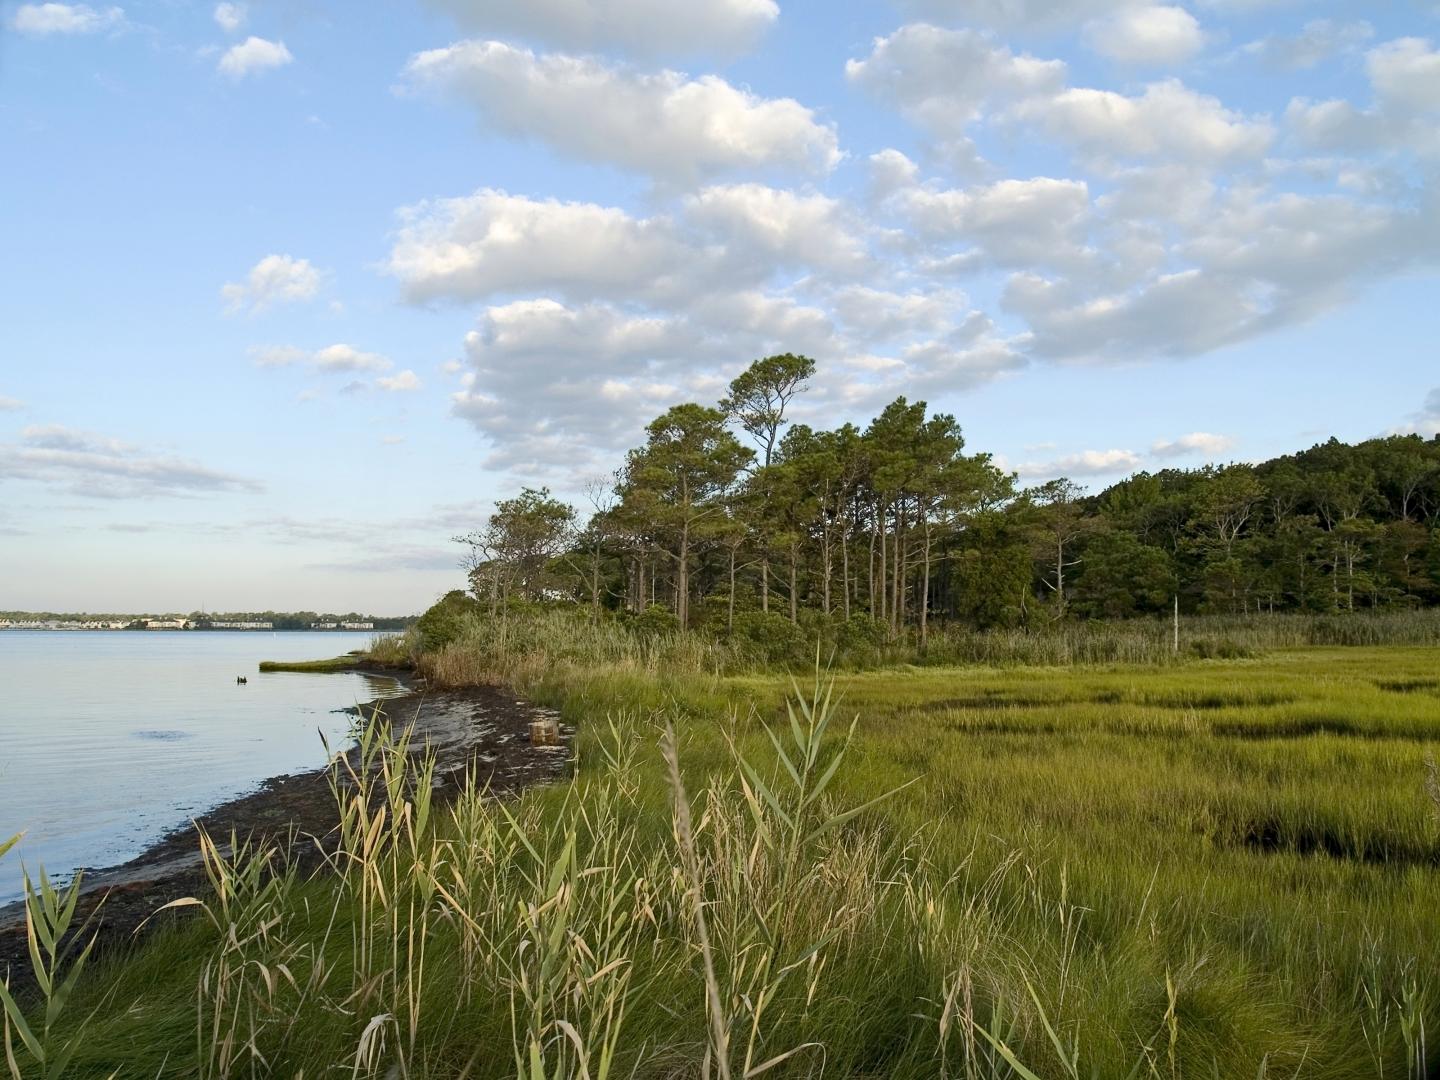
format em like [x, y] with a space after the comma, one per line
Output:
[732, 514]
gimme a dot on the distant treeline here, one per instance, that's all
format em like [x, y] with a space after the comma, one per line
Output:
[897, 525]
[279, 620]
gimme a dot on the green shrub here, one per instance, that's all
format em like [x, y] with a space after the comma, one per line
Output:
[444, 622]
[861, 632]
[654, 621]
[1219, 649]
[772, 638]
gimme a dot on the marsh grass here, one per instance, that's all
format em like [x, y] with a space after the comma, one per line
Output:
[393, 650]
[337, 663]
[1211, 868]
[522, 646]
[58, 953]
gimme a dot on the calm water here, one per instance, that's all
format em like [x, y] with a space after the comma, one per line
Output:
[109, 740]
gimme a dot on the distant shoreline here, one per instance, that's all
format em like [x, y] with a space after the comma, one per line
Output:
[191, 630]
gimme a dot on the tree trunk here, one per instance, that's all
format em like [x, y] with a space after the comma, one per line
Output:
[1060, 575]
[925, 588]
[595, 587]
[730, 612]
[682, 579]
[765, 583]
[897, 572]
[1349, 576]
[827, 563]
[845, 568]
[884, 589]
[794, 583]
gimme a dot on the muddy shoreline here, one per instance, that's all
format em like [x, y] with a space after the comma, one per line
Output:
[484, 729]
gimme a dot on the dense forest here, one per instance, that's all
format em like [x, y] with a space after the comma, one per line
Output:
[733, 515]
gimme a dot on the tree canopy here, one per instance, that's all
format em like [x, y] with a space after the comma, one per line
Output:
[897, 525]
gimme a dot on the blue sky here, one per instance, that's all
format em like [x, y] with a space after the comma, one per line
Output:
[292, 291]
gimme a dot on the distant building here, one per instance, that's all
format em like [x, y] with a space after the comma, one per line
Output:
[62, 624]
[357, 626]
[166, 624]
[323, 625]
[243, 625]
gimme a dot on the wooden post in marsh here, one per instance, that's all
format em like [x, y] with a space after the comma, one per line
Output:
[545, 732]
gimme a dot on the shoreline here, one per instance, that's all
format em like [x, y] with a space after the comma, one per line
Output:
[484, 727]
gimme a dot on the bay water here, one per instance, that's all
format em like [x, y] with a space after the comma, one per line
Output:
[108, 740]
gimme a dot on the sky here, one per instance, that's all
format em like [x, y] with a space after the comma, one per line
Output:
[292, 291]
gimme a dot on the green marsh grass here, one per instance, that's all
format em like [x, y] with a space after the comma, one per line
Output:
[1208, 868]
[58, 954]
[393, 650]
[336, 663]
[521, 647]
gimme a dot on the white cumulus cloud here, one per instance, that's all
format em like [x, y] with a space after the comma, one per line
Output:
[1084, 463]
[1317, 41]
[1011, 223]
[253, 55]
[1402, 119]
[664, 124]
[475, 246]
[1406, 74]
[341, 357]
[43, 19]
[719, 240]
[399, 382]
[337, 358]
[1031, 15]
[1197, 442]
[275, 279]
[644, 27]
[230, 17]
[1152, 35]
[777, 226]
[1176, 314]
[941, 78]
[551, 385]
[1170, 223]
[948, 80]
[1168, 121]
